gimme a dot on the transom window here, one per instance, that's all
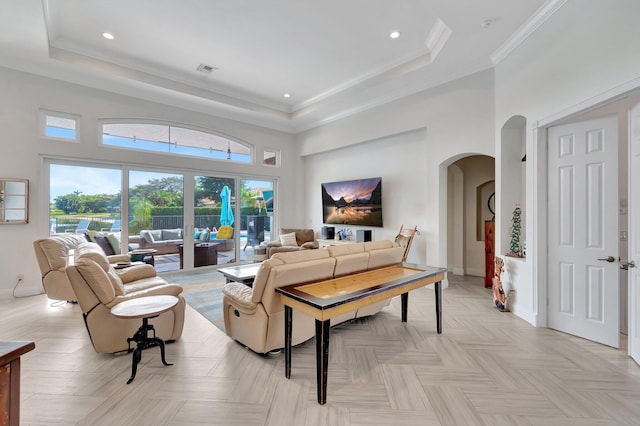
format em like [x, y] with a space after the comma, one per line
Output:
[59, 125]
[174, 140]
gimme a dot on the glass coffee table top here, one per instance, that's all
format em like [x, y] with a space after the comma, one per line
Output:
[241, 273]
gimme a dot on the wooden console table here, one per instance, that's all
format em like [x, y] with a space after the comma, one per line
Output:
[10, 353]
[328, 299]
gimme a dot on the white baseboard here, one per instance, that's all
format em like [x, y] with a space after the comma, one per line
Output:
[475, 272]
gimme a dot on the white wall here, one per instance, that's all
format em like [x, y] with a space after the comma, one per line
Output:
[458, 118]
[587, 49]
[403, 178]
[22, 151]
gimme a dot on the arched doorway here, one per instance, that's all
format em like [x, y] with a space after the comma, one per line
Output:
[470, 183]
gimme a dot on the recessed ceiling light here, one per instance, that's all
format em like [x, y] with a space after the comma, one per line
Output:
[394, 34]
[287, 95]
[486, 23]
[108, 36]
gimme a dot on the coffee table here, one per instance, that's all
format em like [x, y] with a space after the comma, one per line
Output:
[144, 255]
[244, 274]
[204, 254]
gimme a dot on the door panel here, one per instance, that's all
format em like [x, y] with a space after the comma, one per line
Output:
[583, 227]
[634, 234]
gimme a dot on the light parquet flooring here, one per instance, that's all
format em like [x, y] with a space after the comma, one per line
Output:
[486, 368]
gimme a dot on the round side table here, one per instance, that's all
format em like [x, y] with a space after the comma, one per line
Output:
[145, 308]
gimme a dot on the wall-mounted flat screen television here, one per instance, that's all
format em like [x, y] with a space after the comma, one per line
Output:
[353, 202]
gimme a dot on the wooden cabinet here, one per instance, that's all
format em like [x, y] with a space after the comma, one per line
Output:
[10, 353]
[489, 252]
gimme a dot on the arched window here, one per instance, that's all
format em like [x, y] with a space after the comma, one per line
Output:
[174, 140]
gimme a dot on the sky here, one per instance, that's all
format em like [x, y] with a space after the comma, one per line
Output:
[66, 179]
[92, 180]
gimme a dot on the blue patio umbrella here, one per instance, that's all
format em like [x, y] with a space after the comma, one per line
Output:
[226, 214]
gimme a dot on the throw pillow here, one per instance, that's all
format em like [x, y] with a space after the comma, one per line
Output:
[114, 240]
[156, 235]
[104, 244]
[146, 235]
[225, 232]
[91, 234]
[288, 239]
[204, 236]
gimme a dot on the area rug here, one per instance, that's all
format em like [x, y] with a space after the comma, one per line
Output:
[208, 303]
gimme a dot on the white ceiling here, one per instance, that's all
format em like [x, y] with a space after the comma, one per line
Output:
[335, 57]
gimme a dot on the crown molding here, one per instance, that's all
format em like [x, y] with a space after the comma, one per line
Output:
[527, 29]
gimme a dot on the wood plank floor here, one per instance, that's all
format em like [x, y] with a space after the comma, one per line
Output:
[487, 368]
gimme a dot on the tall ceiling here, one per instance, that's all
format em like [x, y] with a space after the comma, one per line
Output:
[334, 57]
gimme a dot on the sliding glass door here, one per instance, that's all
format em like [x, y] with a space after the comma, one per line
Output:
[156, 218]
[214, 221]
[256, 197]
[84, 198]
[173, 220]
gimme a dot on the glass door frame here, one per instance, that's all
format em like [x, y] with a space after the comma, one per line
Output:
[188, 175]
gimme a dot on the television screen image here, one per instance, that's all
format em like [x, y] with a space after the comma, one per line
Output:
[353, 202]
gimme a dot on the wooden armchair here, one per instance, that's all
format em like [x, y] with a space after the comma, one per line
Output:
[405, 238]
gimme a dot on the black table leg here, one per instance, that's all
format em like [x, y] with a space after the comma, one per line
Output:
[404, 298]
[136, 357]
[288, 325]
[438, 292]
[143, 341]
[322, 358]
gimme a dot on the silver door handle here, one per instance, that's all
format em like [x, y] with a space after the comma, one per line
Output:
[609, 259]
[627, 265]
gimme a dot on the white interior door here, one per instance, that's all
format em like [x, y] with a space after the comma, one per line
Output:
[634, 234]
[583, 288]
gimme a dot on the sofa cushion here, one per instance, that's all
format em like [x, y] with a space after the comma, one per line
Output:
[144, 283]
[116, 282]
[94, 252]
[351, 263]
[171, 234]
[97, 279]
[56, 248]
[385, 256]
[151, 235]
[345, 249]
[263, 275]
[288, 239]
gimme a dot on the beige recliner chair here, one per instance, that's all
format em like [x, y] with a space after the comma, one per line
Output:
[52, 255]
[98, 287]
[304, 239]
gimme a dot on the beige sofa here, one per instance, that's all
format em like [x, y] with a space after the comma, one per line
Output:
[98, 287]
[52, 255]
[165, 241]
[254, 316]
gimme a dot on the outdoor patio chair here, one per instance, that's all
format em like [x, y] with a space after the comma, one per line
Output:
[82, 227]
[115, 227]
